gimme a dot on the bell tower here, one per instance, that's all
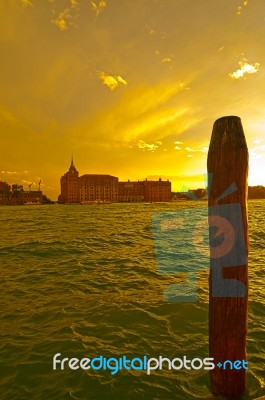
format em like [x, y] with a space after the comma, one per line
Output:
[70, 185]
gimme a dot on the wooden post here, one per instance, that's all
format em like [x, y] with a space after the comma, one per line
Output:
[228, 162]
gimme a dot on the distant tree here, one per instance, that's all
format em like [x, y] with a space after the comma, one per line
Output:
[199, 193]
[16, 192]
[46, 200]
[17, 188]
[256, 192]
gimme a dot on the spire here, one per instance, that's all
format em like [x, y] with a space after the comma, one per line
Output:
[72, 162]
[72, 165]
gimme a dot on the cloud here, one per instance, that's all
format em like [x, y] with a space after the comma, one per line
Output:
[24, 178]
[177, 143]
[9, 172]
[98, 7]
[74, 3]
[197, 150]
[26, 3]
[167, 60]
[189, 149]
[148, 146]
[63, 19]
[240, 8]
[146, 112]
[183, 86]
[28, 183]
[245, 69]
[111, 81]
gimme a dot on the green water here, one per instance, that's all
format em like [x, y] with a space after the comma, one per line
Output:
[83, 281]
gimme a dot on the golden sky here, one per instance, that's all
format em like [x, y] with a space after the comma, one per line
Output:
[131, 88]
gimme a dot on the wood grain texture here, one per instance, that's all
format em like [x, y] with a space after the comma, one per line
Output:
[228, 162]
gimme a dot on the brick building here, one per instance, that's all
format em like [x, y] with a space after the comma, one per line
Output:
[16, 195]
[27, 197]
[96, 187]
[157, 190]
[151, 191]
[5, 193]
[131, 191]
[91, 188]
[70, 186]
[88, 187]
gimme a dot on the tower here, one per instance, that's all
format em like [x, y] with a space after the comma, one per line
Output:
[70, 185]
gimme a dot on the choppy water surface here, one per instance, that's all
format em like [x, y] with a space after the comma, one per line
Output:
[83, 281]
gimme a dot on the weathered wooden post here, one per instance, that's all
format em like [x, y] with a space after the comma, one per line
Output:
[228, 279]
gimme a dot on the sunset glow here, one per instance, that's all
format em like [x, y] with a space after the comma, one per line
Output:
[132, 89]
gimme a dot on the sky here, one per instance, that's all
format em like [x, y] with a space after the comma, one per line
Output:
[130, 88]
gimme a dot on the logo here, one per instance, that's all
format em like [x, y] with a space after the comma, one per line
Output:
[194, 239]
[117, 364]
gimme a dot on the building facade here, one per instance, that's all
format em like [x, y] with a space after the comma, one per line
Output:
[70, 186]
[131, 191]
[87, 188]
[95, 187]
[16, 195]
[91, 188]
[150, 191]
[5, 193]
[157, 190]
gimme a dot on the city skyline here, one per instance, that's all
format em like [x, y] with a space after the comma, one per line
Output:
[132, 89]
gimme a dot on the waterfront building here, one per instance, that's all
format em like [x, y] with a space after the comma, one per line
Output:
[96, 187]
[5, 192]
[157, 190]
[88, 187]
[131, 191]
[16, 195]
[27, 197]
[151, 191]
[70, 186]
[91, 188]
